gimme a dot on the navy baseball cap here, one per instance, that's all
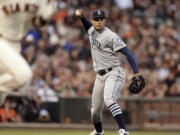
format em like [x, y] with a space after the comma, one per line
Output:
[98, 14]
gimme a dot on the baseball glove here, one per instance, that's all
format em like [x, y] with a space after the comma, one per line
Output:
[137, 84]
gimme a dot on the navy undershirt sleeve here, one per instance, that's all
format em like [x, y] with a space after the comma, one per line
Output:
[130, 58]
[86, 23]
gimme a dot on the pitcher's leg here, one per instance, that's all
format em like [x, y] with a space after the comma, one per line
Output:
[97, 104]
[113, 86]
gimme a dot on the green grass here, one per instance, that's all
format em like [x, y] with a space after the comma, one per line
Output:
[74, 132]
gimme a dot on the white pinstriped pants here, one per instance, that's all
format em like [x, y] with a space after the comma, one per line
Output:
[14, 70]
[106, 91]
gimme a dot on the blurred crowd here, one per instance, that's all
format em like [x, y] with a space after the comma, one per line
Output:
[60, 57]
[22, 109]
[59, 53]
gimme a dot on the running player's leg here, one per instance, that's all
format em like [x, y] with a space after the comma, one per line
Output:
[15, 72]
[113, 85]
[97, 104]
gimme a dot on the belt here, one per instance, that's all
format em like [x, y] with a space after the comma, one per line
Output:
[104, 71]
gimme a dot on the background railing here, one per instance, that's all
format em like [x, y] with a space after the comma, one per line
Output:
[139, 113]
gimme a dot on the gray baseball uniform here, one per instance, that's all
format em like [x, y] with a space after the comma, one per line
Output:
[104, 45]
[110, 77]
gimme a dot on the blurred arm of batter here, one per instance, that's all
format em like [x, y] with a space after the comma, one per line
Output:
[45, 13]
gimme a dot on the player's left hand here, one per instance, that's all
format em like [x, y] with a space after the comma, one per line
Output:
[137, 83]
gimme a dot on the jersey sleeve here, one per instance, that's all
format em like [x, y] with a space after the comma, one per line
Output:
[47, 9]
[117, 43]
[91, 29]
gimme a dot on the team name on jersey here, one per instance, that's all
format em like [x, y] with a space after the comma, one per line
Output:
[14, 8]
[96, 43]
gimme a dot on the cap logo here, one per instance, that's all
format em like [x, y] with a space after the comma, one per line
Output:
[99, 12]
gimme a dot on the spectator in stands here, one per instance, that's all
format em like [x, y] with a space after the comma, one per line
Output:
[8, 114]
[44, 116]
[47, 94]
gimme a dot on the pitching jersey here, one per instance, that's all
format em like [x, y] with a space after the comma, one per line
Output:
[16, 16]
[104, 45]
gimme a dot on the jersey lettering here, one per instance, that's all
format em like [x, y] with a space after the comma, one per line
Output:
[14, 8]
[96, 43]
[32, 8]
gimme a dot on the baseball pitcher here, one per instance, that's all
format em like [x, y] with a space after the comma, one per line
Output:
[16, 17]
[106, 47]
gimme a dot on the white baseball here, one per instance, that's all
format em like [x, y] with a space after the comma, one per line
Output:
[77, 13]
